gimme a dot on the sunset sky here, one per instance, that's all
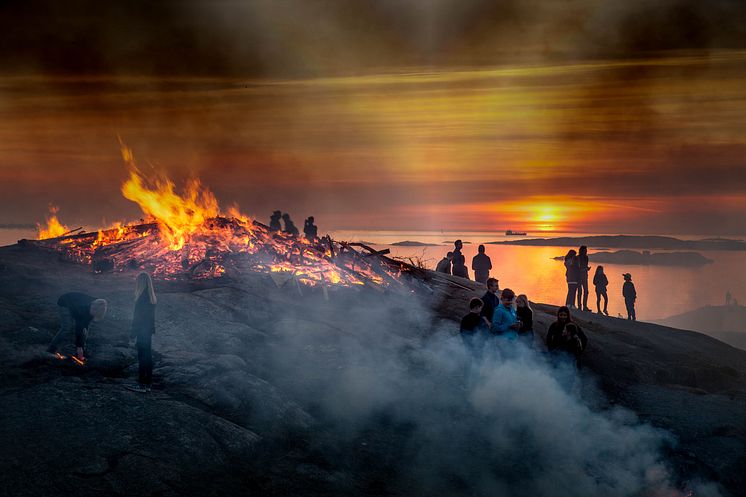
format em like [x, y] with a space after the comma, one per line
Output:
[579, 115]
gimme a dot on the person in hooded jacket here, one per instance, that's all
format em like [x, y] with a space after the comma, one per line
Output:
[504, 319]
[565, 336]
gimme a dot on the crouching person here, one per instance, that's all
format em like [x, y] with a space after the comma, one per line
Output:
[564, 335]
[77, 310]
[143, 328]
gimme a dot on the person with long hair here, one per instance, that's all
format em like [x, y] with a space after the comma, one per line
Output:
[143, 328]
[600, 281]
[583, 269]
[572, 270]
[526, 317]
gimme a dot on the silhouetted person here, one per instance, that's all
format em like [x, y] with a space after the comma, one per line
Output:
[274, 221]
[571, 275]
[630, 295]
[310, 230]
[583, 269]
[525, 316]
[504, 319]
[77, 310]
[459, 261]
[473, 320]
[490, 299]
[566, 336]
[481, 264]
[600, 282]
[444, 266]
[728, 298]
[143, 328]
[289, 225]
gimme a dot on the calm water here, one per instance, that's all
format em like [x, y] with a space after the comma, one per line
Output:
[662, 291]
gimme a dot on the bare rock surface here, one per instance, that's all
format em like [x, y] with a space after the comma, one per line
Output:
[265, 390]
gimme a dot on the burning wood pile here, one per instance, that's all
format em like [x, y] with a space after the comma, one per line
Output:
[187, 237]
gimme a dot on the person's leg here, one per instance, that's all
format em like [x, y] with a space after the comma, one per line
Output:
[585, 294]
[606, 302]
[629, 308]
[570, 299]
[598, 301]
[634, 316]
[64, 329]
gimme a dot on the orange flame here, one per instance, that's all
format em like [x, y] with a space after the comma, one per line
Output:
[54, 228]
[178, 215]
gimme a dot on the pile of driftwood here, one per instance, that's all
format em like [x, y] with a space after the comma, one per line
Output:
[227, 248]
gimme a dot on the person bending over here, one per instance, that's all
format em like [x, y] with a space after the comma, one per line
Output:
[77, 310]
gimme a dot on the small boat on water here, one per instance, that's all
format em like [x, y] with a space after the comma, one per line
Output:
[515, 233]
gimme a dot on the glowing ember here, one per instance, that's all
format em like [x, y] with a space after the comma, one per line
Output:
[54, 228]
[59, 356]
[77, 361]
[187, 236]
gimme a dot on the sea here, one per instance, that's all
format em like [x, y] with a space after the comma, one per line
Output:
[662, 291]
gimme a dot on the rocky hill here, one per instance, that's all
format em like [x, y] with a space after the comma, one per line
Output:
[270, 390]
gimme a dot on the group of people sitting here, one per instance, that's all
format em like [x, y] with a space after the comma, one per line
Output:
[500, 314]
[310, 230]
[576, 274]
[455, 263]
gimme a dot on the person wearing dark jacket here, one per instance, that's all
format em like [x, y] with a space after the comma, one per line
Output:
[491, 299]
[274, 221]
[572, 276]
[600, 282]
[526, 317]
[630, 295]
[472, 323]
[289, 225]
[143, 328]
[77, 310]
[310, 230]
[583, 269]
[566, 336]
[444, 266]
[459, 261]
[481, 264]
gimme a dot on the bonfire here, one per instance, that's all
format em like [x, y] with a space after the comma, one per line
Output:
[187, 236]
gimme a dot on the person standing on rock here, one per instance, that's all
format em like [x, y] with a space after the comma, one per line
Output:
[600, 282]
[630, 295]
[583, 269]
[572, 276]
[525, 316]
[77, 310]
[459, 261]
[444, 266]
[564, 335]
[481, 264]
[143, 328]
[504, 319]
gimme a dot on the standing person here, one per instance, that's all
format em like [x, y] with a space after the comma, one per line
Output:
[459, 261]
[310, 230]
[481, 264]
[143, 328]
[571, 275]
[525, 316]
[471, 324]
[630, 295]
[583, 269]
[274, 221]
[289, 225]
[504, 319]
[564, 335]
[444, 266]
[600, 281]
[77, 310]
[490, 300]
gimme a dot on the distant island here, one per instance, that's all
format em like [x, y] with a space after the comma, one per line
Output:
[452, 241]
[645, 258]
[632, 242]
[410, 243]
[727, 323]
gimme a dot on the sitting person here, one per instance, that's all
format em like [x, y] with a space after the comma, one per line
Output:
[526, 319]
[444, 266]
[504, 319]
[565, 336]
